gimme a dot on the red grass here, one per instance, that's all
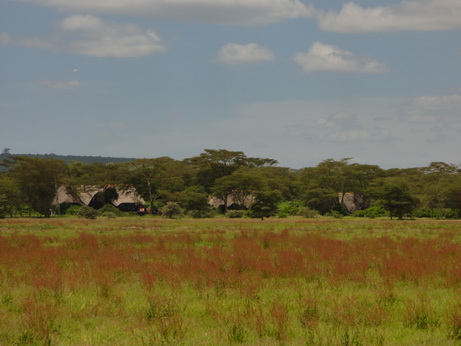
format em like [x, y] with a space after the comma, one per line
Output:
[243, 263]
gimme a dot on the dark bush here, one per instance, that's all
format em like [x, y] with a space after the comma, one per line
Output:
[109, 210]
[87, 212]
[235, 214]
[371, 212]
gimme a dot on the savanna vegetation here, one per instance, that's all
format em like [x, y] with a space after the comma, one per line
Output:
[257, 187]
[296, 281]
[315, 272]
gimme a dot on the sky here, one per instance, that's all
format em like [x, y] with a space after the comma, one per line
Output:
[298, 81]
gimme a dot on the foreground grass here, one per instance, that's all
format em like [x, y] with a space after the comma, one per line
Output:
[222, 281]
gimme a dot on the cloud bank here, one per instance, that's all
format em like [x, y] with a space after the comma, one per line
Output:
[235, 54]
[411, 15]
[63, 85]
[323, 57]
[91, 36]
[229, 12]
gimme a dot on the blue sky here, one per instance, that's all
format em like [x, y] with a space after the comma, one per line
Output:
[297, 81]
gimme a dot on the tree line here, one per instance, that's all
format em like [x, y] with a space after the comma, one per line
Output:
[257, 187]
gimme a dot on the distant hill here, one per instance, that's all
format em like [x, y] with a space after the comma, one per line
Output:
[70, 158]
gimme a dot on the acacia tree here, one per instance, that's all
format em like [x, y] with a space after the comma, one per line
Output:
[10, 196]
[438, 184]
[38, 180]
[214, 164]
[397, 198]
[265, 204]
[240, 185]
[325, 186]
[195, 200]
[153, 177]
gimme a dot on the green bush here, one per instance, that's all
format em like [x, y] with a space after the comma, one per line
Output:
[201, 214]
[371, 212]
[439, 213]
[336, 214]
[109, 211]
[288, 208]
[308, 213]
[235, 214]
[72, 210]
[87, 212]
[172, 210]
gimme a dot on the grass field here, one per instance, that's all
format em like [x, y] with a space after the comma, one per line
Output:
[145, 281]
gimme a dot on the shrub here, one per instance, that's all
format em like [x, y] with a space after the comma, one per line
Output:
[308, 212]
[172, 210]
[70, 209]
[371, 212]
[439, 213]
[87, 212]
[235, 214]
[336, 214]
[288, 208]
[109, 211]
[200, 214]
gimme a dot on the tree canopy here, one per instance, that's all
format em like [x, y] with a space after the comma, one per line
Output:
[255, 185]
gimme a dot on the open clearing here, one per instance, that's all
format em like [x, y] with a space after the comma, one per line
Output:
[221, 281]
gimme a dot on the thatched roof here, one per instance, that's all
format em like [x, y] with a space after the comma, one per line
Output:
[87, 193]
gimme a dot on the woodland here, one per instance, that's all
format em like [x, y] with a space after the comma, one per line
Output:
[257, 187]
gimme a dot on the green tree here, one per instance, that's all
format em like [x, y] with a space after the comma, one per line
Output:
[148, 176]
[241, 185]
[452, 194]
[265, 204]
[397, 198]
[10, 196]
[325, 186]
[214, 164]
[279, 178]
[195, 200]
[321, 199]
[38, 180]
[437, 184]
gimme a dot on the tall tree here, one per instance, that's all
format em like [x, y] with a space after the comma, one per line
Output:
[38, 180]
[397, 198]
[214, 164]
[10, 195]
[265, 204]
[153, 177]
[241, 185]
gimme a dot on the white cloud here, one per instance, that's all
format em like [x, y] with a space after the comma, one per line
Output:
[323, 57]
[234, 54]
[434, 109]
[231, 12]
[91, 36]
[420, 15]
[344, 126]
[95, 37]
[65, 85]
[4, 38]
[352, 135]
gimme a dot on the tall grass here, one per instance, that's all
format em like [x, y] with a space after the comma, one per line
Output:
[151, 281]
